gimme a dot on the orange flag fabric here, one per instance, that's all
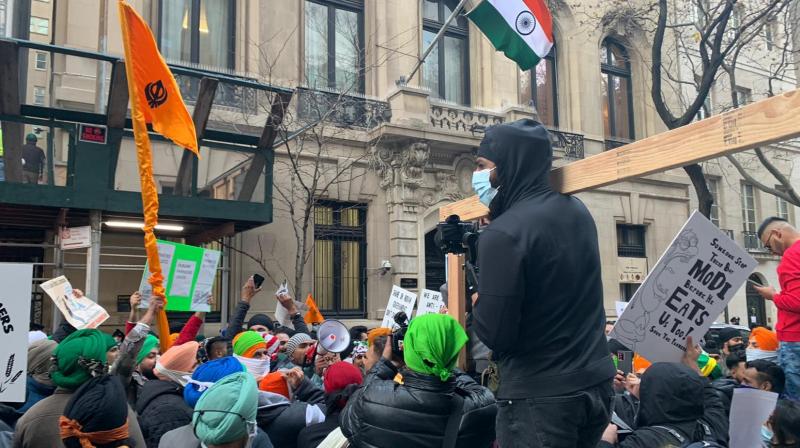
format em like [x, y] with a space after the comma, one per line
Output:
[155, 98]
[313, 316]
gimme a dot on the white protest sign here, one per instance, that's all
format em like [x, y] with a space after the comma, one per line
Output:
[399, 300]
[15, 313]
[205, 281]
[76, 237]
[620, 306]
[80, 312]
[430, 302]
[689, 287]
[750, 408]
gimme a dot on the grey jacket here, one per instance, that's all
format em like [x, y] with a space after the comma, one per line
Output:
[184, 437]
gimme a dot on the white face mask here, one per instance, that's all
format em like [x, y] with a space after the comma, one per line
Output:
[754, 354]
[257, 367]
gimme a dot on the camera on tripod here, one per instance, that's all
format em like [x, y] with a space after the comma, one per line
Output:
[454, 236]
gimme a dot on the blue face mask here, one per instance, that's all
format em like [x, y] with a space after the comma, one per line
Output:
[483, 186]
[766, 435]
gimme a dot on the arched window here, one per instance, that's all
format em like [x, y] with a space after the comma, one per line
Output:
[538, 89]
[756, 308]
[446, 69]
[615, 67]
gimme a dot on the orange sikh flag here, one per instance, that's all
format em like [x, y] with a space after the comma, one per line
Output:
[155, 99]
[313, 316]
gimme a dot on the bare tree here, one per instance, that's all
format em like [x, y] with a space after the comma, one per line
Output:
[703, 35]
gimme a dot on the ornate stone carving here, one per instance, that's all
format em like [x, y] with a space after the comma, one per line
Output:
[400, 165]
[414, 160]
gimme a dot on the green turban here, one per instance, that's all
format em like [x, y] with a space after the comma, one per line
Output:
[432, 343]
[150, 342]
[226, 412]
[79, 355]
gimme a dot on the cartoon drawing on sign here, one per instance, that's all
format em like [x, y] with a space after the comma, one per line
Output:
[632, 328]
[8, 380]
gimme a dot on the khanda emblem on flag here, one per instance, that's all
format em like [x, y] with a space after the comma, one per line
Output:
[155, 93]
[525, 23]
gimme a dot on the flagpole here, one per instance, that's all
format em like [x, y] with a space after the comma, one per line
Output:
[435, 41]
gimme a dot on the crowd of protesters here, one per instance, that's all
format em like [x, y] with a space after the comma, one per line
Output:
[542, 374]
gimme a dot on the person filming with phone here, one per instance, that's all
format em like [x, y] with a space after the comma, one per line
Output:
[780, 238]
[261, 322]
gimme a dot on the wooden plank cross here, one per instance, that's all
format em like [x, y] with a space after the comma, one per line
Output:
[767, 121]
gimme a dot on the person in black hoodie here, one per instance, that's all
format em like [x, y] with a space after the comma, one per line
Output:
[678, 406]
[540, 296]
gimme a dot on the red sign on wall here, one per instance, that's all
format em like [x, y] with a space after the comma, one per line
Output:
[93, 134]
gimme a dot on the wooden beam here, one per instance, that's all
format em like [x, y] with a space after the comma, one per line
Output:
[202, 110]
[209, 235]
[456, 300]
[117, 109]
[10, 105]
[767, 121]
[277, 112]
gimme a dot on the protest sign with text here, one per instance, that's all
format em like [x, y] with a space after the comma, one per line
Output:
[430, 303]
[689, 287]
[189, 274]
[15, 313]
[399, 300]
[80, 312]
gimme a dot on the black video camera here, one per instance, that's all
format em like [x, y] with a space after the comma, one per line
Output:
[457, 237]
[401, 319]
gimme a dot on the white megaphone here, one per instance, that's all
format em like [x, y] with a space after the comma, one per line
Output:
[333, 336]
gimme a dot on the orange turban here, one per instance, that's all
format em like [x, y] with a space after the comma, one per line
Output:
[275, 383]
[376, 333]
[179, 360]
[766, 340]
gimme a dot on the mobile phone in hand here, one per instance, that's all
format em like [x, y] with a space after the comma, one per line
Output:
[258, 280]
[625, 361]
[757, 283]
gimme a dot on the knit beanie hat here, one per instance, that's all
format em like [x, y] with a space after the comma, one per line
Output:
[207, 374]
[34, 336]
[276, 383]
[261, 319]
[766, 340]
[294, 341]
[727, 333]
[40, 359]
[708, 366]
[246, 343]
[80, 356]
[340, 375]
[226, 412]
[96, 414]
[150, 342]
[177, 363]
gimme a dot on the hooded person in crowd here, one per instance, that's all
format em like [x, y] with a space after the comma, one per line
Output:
[95, 416]
[677, 406]
[250, 349]
[39, 384]
[430, 404]
[205, 376]
[763, 344]
[764, 375]
[341, 380]
[783, 427]
[160, 405]
[225, 415]
[78, 358]
[539, 284]
[288, 402]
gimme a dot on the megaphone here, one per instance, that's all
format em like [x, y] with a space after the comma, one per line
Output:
[333, 336]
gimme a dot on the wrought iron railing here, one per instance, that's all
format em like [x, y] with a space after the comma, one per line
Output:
[228, 96]
[571, 144]
[341, 109]
[612, 143]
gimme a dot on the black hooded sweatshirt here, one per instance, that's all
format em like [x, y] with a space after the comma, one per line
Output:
[675, 397]
[540, 306]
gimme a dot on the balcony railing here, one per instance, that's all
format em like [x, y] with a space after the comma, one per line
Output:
[341, 109]
[613, 143]
[460, 118]
[571, 144]
[232, 97]
[752, 243]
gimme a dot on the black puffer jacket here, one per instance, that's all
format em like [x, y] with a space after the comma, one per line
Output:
[384, 413]
[161, 409]
[676, 397]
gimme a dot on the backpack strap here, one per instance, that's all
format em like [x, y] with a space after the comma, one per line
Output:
[674, 433]
[453, 422]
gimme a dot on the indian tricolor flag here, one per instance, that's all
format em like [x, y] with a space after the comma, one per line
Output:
[522, 29]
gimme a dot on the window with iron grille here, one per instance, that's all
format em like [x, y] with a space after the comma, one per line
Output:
[340, 257]
[630, 241]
